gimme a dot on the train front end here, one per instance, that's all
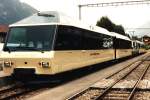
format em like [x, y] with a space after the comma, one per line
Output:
[28, 50]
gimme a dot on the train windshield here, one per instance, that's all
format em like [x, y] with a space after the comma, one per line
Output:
[30, 38]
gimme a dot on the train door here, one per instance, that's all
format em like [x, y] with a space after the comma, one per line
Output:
[134, 47]
[115, 47]
[124, 48]
[68, 48]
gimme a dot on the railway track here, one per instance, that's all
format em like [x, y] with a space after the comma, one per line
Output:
[14, 91]
[20, 90]
[111, 93]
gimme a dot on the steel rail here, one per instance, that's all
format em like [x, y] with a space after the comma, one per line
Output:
[137, 83]
[14, 86]
[82, 91]
[19, 91]
[108, 88]
[128, 66]
[9, 90]
[122, 69]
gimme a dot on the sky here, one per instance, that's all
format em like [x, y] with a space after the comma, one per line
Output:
[131, 16]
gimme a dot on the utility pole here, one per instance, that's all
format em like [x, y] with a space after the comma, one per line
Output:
[79, 12]
[132, 34]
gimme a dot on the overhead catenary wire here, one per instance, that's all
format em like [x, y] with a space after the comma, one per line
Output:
[105, 4]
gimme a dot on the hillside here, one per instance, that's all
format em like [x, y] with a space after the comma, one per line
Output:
[13, 10]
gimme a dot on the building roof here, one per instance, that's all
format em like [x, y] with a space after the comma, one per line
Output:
[3, 28]
[146, 36]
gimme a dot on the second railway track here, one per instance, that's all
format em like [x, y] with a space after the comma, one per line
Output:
[121, 85]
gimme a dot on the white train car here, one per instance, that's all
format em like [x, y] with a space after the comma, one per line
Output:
[48, 43]
[140, 47]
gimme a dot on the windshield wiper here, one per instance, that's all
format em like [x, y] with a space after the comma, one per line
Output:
[45, 14]
[7, 49]
[10, 49]
[28, 48]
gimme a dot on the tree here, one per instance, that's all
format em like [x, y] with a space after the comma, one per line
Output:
[119, 29]
[106, 23]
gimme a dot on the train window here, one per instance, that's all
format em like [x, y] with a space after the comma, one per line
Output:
[71, 38]
[68, 38]
[16, 37]
[93, 40]
[107, 42]
[123, 44]
[30, 38]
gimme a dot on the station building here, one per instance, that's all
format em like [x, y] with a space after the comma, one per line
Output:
[3, 32]
[146, 40]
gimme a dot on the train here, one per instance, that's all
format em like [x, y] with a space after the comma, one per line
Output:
[50, 42]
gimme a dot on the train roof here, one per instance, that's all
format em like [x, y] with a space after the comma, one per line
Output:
[117, 35]
[57, 18]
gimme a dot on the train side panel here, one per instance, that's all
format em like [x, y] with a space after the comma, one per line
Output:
[74, 59]
[123, 53]
[66, 60]
[142, 50]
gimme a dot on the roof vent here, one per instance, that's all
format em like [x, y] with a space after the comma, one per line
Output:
[45, 14]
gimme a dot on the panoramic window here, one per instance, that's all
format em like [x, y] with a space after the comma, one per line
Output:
[93, 40]
[72, 38]
[123, 44]
[30, 38]
[68, 38]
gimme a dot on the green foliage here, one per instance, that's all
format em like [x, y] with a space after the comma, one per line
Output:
[105, 22]
[119, 29]
[147, 47]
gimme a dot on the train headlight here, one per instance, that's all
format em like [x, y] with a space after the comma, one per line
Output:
[45, 64]
[7, 64]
